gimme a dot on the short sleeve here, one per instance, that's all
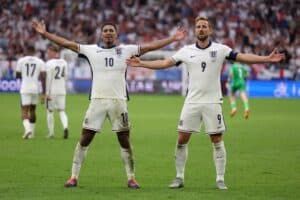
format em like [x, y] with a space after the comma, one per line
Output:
[43, 66]
[48, 66]
[66, 68]
[19, 66]
[229, 53]
[83, 49]
[178, 57]
[133, 50]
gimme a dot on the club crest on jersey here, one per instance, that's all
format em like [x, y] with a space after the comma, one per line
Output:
[213, 55]
[119, 51]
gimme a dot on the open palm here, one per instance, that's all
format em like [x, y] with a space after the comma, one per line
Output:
[276, 57]
[134, 62]
[180, 34]
[39, 27]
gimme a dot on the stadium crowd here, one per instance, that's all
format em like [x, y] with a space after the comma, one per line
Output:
[245, 25]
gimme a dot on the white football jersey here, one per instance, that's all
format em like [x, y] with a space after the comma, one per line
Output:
[204, 67]
[30, 68]
[56, 70]
[108, 67]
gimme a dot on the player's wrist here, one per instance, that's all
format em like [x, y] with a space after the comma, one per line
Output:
[173, 38]
[43, 34]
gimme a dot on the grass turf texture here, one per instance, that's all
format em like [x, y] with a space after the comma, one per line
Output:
[263, 154]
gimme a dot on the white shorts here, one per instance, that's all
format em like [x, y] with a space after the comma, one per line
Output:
[192, 116]
[29, 99]
[57, 102]
[113, 109]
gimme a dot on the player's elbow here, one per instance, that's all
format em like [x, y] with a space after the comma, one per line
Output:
[70, 45]
[166, 64]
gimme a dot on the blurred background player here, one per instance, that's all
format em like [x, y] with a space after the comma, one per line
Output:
[56, 77]
[204, 61]
[108, 92]
[237, 83]
[30, 69]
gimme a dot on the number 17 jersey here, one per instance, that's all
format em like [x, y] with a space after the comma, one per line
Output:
[30, 68]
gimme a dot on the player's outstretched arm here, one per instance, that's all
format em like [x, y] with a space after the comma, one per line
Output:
[179, 35]
[252, 58]
[156, 64]
[40, 28]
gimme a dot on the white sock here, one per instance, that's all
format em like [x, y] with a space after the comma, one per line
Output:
[63, 119]
[181, 155]
[50, 122]
[219, 154]
[26, 125]
[128, 161]
[32, 128]
[79, 155]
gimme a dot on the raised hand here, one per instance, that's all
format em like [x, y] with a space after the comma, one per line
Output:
[133, 61]
[39, 27]
[275, 56]
[180, 34]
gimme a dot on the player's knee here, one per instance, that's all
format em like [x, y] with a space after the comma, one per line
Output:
[123, 138]
[183, 138]
[32, 119]
[216, 138]
[86, 137]
[24, 115]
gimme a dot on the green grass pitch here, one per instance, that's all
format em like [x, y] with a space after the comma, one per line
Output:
[263, 154]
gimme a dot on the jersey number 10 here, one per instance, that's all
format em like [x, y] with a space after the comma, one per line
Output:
[109, 62]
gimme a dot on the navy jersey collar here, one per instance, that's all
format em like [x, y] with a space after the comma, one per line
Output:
[101, 46]
[209, 44]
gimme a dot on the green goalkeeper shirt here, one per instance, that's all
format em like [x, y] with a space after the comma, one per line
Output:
[238, 75]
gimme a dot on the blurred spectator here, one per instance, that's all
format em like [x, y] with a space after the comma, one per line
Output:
[251, 26]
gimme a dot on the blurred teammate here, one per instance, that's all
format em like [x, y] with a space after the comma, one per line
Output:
[108, 95]
[56, 70]
[204, 61]
[30, 69]
[237, 83]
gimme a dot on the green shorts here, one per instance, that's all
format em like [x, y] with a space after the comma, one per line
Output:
[238, 87]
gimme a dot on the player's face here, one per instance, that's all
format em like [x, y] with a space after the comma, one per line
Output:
[202, 30]
[51, 54]
[109, 34]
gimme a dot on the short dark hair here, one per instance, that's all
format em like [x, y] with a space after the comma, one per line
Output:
[30, 48]
[53, 47]
[109, 23]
